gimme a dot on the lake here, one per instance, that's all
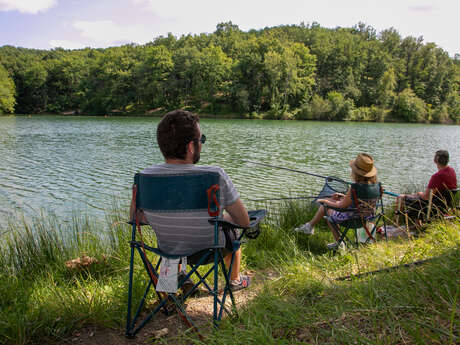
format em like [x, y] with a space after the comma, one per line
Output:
[68, 165]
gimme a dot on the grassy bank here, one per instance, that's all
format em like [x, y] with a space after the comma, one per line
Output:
[43, 300]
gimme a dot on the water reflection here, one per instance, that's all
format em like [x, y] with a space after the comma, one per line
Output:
[68, 164]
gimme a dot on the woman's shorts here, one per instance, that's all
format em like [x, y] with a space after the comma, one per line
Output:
[339, 217]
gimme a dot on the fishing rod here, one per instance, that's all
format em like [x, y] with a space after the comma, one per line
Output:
[283, 168]
[290, 198]
[308, 173]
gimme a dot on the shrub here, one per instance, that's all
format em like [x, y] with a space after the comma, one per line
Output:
[453, 100]
[340, 107]
[316, 109]
[409, 107]
[440, 114]
[360, 114]
[378, 114]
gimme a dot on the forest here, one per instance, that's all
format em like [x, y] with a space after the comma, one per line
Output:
[302, 72]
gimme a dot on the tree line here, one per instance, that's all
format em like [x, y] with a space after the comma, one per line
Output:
[290, 72]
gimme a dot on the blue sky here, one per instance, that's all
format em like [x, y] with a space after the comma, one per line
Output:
[73, 24]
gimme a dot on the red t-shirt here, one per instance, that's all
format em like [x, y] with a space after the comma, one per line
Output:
[443, 179]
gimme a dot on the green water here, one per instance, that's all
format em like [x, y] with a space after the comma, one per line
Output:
[68, 165]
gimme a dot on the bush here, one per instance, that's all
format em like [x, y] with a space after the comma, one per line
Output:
[440, 114]
[360, 114]
[378, 114]
[340, 108]
[316, 109]
[334, 107]
[409, 107]
[453, 100]
[373, 113]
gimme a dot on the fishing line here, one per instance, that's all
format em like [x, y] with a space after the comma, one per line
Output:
[329, 179]
[289, 198]
[283, 168]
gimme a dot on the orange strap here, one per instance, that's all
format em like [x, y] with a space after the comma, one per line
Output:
[151, 274]
[138, 226]
[212, 196]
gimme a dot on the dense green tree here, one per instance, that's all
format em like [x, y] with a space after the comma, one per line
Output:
[340, 108]
[152, 73]
[32, 96]
[63, 82]
[409, 107]
[7, 92]
[301, 71]
[385, 89]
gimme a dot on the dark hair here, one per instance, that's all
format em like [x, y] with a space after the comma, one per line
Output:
[442, 157]
[175, 130]
[362, 179]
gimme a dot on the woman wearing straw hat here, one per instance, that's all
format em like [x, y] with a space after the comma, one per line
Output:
[362, 171]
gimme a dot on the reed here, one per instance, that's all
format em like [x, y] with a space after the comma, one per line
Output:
[307, 304]
[43, 300]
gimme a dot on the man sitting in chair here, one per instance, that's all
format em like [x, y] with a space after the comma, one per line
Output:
[444, 179]
[180, 140]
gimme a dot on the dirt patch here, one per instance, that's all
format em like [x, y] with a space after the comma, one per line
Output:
[171, 328]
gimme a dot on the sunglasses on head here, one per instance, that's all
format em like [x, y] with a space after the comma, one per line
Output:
[202, 139]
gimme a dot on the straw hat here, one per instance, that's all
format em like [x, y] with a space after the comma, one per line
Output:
[363, 165]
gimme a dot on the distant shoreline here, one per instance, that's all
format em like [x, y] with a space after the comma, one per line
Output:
[219, 116]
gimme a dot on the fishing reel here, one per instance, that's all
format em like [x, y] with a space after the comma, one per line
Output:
[253, 232]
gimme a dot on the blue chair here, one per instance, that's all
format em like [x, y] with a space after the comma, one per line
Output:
[183, 210]
[368, 209]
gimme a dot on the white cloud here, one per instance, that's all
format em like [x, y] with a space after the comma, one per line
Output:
[66, 44]
[422, 8]
[27, 6]
[106, 32]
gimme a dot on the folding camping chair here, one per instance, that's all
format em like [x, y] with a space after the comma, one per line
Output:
[368, 210]
[183, 210]
[419, 211]
[442, 204]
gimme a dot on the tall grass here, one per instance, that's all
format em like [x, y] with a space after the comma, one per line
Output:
[42, 300]
[307, 304]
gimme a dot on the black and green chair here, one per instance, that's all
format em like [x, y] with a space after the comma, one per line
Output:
[419, 211]
[442, 204]
[367, 206]
[183, 211]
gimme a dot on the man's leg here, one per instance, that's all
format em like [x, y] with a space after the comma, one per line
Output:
[236, 264]
[238, 281]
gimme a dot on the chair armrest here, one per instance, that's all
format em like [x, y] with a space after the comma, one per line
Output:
[255, 217]
[224, 223]
[130, 222]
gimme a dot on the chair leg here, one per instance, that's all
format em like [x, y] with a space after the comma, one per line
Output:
[130, 294]
[216, 286]
[227, 289]
[342, 234]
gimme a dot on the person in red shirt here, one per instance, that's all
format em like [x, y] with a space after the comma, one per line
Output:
[444, 179]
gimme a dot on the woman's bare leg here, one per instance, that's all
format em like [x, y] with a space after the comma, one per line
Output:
[318, 216]
[333, 230]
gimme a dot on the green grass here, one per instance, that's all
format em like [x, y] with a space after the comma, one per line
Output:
[43, 301]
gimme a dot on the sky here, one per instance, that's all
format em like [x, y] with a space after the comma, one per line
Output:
[73, 24]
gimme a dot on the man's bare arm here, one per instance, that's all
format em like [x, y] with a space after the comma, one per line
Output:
[237, 214]
[424, 195]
